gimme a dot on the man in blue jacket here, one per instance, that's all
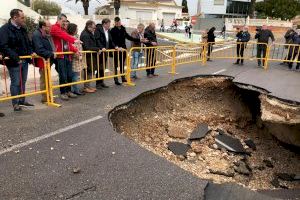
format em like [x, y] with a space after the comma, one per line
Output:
[14, 42]
[242, 38]
[44, 47]
[294, 52]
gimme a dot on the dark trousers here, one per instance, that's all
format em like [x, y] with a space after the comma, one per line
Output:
[102, 63]
[261, 49]
[150, 61]
[63, 67]
[293, 53]
[209, 50]
[119, 61]
[240, 48]
[18, 77]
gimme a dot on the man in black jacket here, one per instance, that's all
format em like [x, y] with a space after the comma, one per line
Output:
[104, 42]
[1, 57]
[90, 44]
[44, 47]
[242, 38]
[150, 35]
[119, 36]
[14, 42]
[262, 37]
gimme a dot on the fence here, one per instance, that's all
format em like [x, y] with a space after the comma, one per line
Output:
[113, 64]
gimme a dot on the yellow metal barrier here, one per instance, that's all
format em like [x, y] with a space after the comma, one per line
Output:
[28, 85]
[153, 57]
[186, 54]
[97, 66]
[237, 51]
[288, 53]
[102, 65]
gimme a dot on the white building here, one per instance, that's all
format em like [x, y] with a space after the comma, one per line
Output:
[133, 13]
[224, 8]
[6, 7]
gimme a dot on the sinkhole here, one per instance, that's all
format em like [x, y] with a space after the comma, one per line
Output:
[218, 130]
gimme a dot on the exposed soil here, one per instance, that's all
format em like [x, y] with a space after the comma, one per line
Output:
[172, 113]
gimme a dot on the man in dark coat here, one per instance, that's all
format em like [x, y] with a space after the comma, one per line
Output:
[242, 38]
[90, 44]
[14, 42]
[211, 41]
[1, 57]
[150, 35]
[104, 42]
[119, 36]
[294, 51]
[262, 37]
[44, 47]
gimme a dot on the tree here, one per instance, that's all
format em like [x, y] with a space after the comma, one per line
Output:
[85, 4]
[46, 7]
[27, 3]
[117, 5]
[252, 8]
[185, 8]
[283, 9]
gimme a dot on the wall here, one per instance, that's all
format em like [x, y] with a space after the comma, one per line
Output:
[208, 7]
[6, 7]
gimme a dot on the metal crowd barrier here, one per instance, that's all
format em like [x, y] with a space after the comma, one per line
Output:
[28, 87]
[152, 57]
[102, 65]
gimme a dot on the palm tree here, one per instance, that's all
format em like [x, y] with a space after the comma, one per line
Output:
[85, 4]
[117, 5]
[252, 8]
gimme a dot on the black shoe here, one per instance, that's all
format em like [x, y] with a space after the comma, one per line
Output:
[104, 86]
[17, 108]
[79, 93]
[236, 63]
[2, 115]
[117, 83]
[25, 104]
[124, 80]
[297, 67]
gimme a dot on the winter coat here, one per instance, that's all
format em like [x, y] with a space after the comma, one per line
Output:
[263, 36]
[42, 46]
[243, 36]
[211, 37]
[14, 42]
[150, 35]
[60, 37]
[101, 39]
[136, 34]
[119, 35]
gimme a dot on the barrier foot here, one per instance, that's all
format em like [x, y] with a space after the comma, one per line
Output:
[173, 73]
[130, 84]
[54, 105]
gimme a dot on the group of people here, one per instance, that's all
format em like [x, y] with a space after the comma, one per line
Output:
[263, 35]
[49, 43]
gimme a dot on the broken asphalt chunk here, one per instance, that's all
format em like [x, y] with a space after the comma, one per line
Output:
[229, 143]
[200, 132]
[250, 144]
[178, 148]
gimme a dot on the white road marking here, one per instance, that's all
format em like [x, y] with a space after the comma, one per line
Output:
[220, 71]
[43, 137]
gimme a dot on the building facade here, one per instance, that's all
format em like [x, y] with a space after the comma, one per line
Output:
[133, 13]
[223, 8]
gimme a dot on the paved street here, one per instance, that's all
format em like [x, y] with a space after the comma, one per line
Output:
[40, 148]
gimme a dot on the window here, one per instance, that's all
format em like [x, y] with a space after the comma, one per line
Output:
[219, 2]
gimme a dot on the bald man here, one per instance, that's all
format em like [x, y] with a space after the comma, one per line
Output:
[44, 47]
